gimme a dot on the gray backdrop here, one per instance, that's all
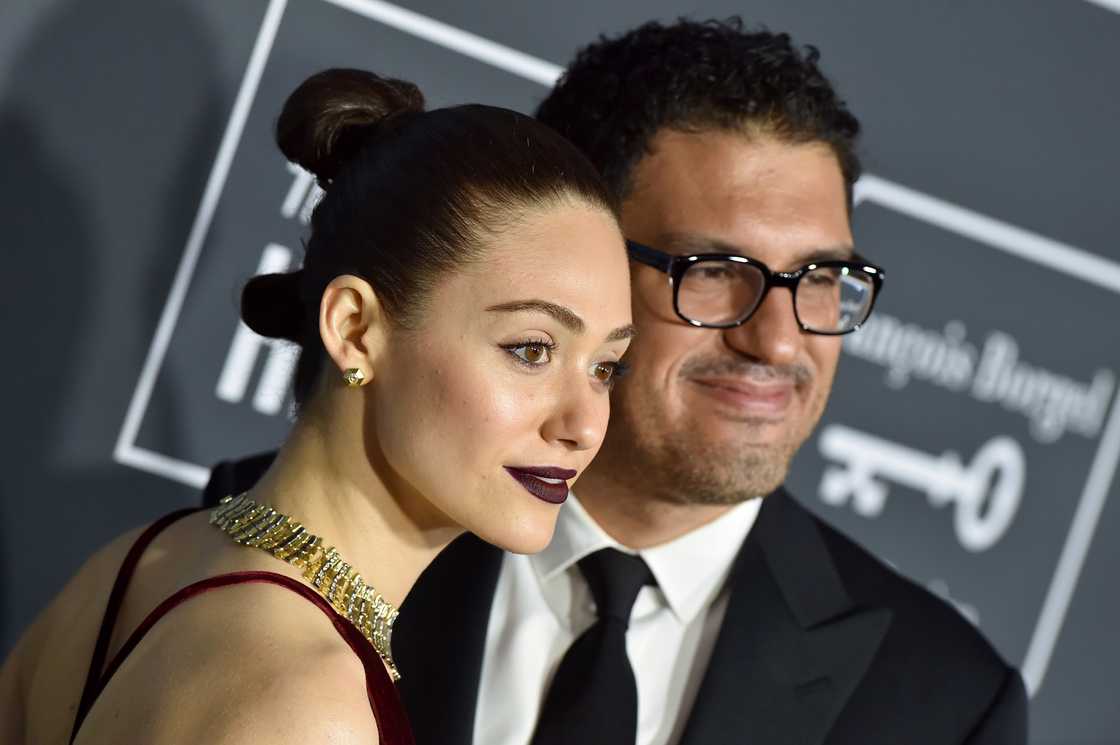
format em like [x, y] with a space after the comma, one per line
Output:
[974, 434]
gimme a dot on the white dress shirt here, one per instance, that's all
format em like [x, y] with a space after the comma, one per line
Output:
[542, 604]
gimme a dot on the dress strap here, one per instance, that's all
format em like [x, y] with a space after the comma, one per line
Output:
[113, 609]
[388, 712]
[384, 700]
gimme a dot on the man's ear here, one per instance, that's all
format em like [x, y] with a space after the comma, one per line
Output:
[352, 325]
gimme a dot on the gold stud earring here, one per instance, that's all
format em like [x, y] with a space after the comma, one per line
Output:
[354, 377]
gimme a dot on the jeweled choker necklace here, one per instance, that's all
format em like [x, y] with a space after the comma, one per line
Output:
[253, 524]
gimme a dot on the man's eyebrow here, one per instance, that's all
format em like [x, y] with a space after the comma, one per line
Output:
[567, 318]
[691, 243]
[836, 253]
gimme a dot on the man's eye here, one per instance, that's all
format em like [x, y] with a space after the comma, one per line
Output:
[821, 278]
[532, 353]
[713, 272]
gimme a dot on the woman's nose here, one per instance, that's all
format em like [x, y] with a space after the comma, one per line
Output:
[579, 418]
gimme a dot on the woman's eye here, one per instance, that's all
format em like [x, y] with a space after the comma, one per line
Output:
[533, 353]
[608, 372]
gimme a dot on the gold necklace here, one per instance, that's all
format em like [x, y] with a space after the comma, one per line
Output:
[253, 524]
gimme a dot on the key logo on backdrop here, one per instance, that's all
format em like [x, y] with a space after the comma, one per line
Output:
[973, 435]
[985, 492]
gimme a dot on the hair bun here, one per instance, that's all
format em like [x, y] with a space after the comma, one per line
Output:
[326, 119]
[271, 306]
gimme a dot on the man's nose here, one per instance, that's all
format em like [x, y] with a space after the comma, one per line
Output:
[772, 335]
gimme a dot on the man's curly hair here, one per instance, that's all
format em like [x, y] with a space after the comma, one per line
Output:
[693, 76]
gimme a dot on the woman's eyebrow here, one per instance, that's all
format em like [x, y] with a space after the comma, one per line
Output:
[622, 332]
[566, 317]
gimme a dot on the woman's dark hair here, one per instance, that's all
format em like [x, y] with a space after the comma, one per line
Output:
[619, 92]
[408, 196]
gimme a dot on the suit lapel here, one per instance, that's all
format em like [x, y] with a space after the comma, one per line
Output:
[439, 639]
[792, 646]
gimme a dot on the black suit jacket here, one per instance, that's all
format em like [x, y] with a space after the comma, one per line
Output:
[821, 645]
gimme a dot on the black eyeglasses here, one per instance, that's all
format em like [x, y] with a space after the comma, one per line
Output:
[723, 290]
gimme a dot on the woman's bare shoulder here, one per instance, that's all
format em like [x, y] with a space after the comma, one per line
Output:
[305, 700]
[241, 664]
[48, 666]
[78, 608]
[236, 664]
[82, 599]
[309, 699]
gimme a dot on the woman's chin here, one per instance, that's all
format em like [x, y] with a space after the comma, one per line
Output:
[528, 535]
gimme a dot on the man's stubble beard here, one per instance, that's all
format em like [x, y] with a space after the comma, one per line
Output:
[643, 448]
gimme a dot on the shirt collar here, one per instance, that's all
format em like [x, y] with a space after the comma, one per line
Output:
[690, 570]
[577, 535]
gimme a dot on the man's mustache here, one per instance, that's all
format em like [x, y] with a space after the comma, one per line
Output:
[754, 372]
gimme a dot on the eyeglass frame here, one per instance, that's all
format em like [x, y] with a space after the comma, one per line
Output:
[676, 265]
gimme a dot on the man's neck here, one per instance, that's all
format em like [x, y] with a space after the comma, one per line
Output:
[639, 519]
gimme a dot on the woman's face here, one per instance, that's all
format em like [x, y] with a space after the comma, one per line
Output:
[498, 398]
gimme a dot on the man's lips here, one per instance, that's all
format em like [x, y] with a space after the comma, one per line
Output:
[547, 483]
[769, 399]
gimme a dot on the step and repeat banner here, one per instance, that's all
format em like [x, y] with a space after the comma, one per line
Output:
[973, 436]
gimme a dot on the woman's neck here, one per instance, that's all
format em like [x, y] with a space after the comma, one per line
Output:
[325, 478]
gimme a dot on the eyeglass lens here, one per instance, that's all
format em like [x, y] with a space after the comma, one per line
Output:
[829, 299]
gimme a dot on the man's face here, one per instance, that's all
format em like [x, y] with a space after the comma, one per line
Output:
[714, 415]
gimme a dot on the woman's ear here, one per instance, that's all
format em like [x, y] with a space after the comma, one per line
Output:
[352, 325]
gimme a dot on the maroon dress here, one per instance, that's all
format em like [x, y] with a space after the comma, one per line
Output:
[392, 724]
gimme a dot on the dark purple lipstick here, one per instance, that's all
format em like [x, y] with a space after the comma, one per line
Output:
[544, 482]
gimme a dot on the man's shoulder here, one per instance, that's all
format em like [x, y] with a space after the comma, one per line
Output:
[930, 626]
[931, 658]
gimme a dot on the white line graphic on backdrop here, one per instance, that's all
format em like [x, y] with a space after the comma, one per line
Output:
[1074, 551]
[1014, 240]
[1113, 5]
[1003, 236]
[456, 39]
[246, 347]
[127, 451]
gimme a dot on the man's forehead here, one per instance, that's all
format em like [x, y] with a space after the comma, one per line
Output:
[725, 192]
[720, 171]
[686, 244]
[736, 153]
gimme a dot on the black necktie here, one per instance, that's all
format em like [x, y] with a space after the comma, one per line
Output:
[594, 697]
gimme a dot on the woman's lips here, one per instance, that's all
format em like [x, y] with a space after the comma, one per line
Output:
[766, 400]
[544, 482]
